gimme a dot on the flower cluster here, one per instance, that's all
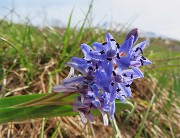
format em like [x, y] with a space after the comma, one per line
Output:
[107, 70]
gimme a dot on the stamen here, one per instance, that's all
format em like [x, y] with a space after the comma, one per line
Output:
[143, 57]
[117, 45]
[109, 59]
[83, 57]
[127, 85]
[90, 68]
[104, 43]
[102, 52]
[131, 76]
[96, 66]
[89, 61]
[141, 62]
[90, 50]
[112, 39]
[124, 75]
[112, 83]
[118, 90]
[114, 73]
[139, 49]
[118, 55]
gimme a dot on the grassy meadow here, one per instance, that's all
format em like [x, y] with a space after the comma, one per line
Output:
[32, 60]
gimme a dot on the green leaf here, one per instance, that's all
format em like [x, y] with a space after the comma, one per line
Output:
[24, 113]
[11, 112]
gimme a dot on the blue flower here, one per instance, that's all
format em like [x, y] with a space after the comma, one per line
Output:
[106, 73]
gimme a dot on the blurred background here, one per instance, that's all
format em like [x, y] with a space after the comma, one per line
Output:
[154, 18]
[39, 37]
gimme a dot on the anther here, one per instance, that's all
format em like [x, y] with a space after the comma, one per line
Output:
[141, 62]
[104, 43]
[114, 73]
[141, 51]
[109, 58]
[112, 83]
[118, 90]
[143, 57]
[131, 76]
[90, 68]
[117, 45]
[89, 61]
[112, 39]
[96, 66]
[137, 49]
[127, 85]
[102, 52]
[118, 55]
[124, 75]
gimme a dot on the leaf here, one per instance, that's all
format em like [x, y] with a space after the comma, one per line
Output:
[10, 112]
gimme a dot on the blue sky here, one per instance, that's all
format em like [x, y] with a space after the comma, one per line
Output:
[158, 16]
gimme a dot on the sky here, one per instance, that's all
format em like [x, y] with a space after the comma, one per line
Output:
[157, 16]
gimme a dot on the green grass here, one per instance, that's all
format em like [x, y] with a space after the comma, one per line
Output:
[28, 48]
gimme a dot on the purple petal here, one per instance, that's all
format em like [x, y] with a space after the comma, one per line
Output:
[62, 88]
[86, 50]
[71, 73]
[130, 74]
[83, 118]
[90, 117]
[102, 79]
[111, 53]
[112, 110]
[108, 67]
[79, 60]
[133, 32]
[138, 71]
[135, 63]
[78, 104]
[126, 90]
[111, 43]
[109, 37]
[123, 63]
[78, 67]
[73, 81]
[96, 102]
[99, 47]
[120, 97]
[127, 45]
[113, 94]
[95, 89]
[97, 55]
[139, 47]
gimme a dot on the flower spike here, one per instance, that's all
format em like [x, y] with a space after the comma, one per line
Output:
[106, 73]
